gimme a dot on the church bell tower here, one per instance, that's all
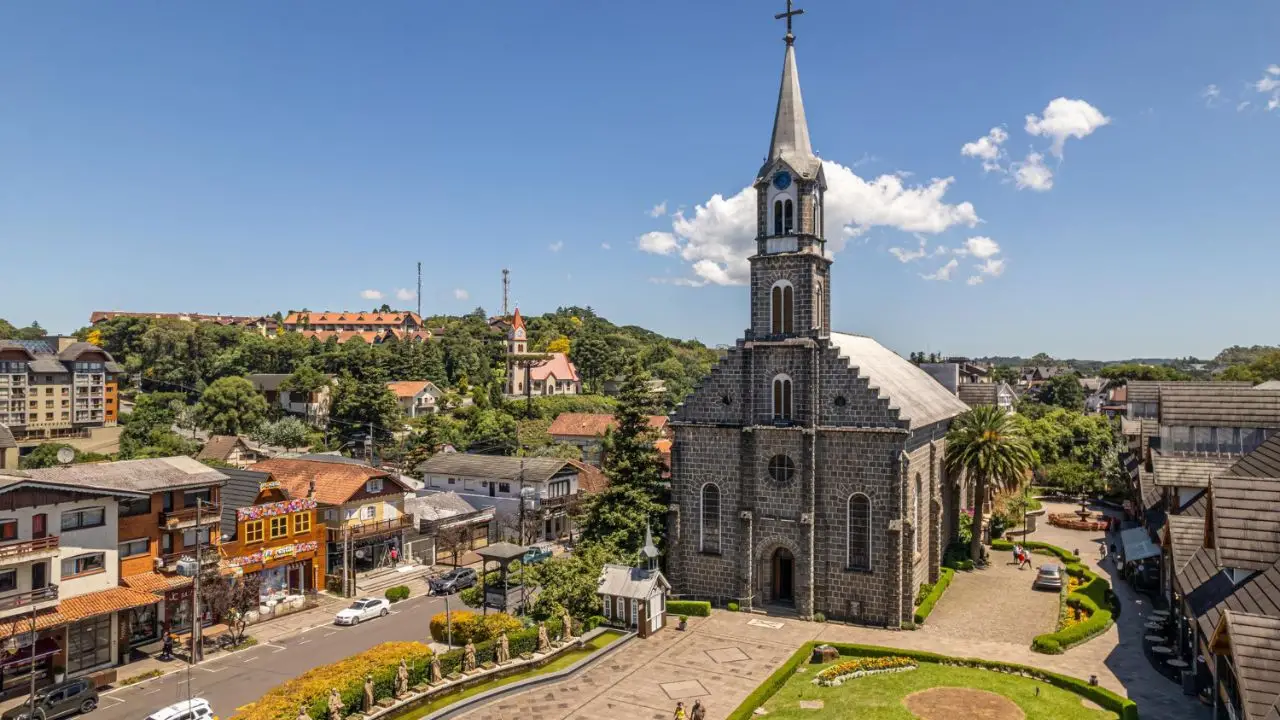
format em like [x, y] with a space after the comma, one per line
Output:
[790, 292]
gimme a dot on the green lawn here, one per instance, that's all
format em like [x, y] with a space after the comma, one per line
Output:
[561, 662]
[879, 697]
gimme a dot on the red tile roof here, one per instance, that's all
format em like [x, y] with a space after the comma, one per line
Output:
[591, 479]
[395, 319]
[407, 388]
[154, 582]
[103, 602]
[558, 365]
[593, 424]
[336, 482]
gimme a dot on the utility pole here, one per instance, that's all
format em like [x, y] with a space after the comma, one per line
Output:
[506, 290]
[346, 559]
[196, 650]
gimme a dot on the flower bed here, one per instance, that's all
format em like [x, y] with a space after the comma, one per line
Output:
[863, 666]
[1072, 521]
[1089, 594]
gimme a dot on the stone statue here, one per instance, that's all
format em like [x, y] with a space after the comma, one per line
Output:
[436, 676]
[368, 692]
[504, 650]
[302, 712]
[543, 643]
[469, 657]
[402, 678]
[568, 626]
[336, 706]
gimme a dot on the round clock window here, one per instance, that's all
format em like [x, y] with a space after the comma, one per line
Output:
[782, 180]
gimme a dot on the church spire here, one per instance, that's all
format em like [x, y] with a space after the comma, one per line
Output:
[790, 142]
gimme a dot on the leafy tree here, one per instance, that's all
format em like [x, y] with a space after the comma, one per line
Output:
[148, 432]
[1060, 435]
[1264, 366]
[46, 456]
[232, 598]
[359, 403]
[9, 332]
[1074, 478]
[987, 446]
[570, 581]
[1063, 391]
[559, 345]
[305, 380]
[287, 432]
[231, 406]
[1136, 371]
[1005, 374]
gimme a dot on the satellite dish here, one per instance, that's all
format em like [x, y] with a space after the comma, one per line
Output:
[66, 455]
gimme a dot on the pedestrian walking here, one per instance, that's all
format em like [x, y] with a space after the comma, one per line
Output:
[680, 714]
[395, 557]
[699, 712]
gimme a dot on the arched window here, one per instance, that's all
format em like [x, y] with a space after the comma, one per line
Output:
[817, 306]
[709, 529]
[858, 532]
[788, 217]
[915, 511]
[777, 217]
[781, 468]
[782, 398]
[782, 306]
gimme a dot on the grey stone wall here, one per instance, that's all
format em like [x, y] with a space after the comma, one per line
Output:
[806, 271]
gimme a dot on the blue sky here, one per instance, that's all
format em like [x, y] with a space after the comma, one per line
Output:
[243, 157]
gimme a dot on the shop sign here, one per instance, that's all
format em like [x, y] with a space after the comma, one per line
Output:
[284, 507]
[284, 551]
[268, 485]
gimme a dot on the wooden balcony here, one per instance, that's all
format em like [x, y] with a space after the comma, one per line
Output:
[45, 596]
[20, 551]
[372, 529]
[185, 560]
[210, 514]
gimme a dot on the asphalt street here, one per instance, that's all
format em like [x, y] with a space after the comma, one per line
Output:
[230, 681]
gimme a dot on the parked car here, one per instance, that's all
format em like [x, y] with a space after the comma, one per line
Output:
[363, 609]
[67, 698]
[453, 581]
[193, 709]
[1049, 577]
[535, 555]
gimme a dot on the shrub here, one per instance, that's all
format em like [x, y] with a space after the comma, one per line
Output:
[819, 617]
[1093, 598]
[397, 593]
[311, 689]
[1041, 548]
[934, 594]
[594, 622]
[772, 684]
[470, 627]
[697, 608]
[733, 607]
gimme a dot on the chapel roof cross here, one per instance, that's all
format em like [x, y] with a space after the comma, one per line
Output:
[788, 15]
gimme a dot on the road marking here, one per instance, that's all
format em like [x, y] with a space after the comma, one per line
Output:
[110, 698]
[302, 642]
[249, 659]
[210, 670]
[331, 633]
[278, 648]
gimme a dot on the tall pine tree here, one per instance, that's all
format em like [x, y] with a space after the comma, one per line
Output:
[618, 516]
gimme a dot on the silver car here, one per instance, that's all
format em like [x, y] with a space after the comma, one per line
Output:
[1049, 577]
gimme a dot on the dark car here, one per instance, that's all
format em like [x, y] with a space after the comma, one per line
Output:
[453, 581]
[68, 698]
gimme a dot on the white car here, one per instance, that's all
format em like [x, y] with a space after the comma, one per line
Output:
[193, 709]
[363, 609]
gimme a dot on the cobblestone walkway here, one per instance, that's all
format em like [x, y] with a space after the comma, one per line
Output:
[1012, 611]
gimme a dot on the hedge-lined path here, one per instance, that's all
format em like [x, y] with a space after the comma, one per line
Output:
[1010, 610]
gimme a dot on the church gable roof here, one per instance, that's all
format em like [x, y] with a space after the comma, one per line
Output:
[919, 399]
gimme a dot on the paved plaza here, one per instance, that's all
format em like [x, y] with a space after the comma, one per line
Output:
[721, 659]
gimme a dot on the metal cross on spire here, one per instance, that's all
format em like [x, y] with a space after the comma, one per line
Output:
[790, 38]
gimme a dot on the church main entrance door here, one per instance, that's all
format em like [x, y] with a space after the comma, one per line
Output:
[783, 576]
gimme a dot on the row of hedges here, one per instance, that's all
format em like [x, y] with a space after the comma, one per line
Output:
[1037, 547]
[692, 608]
[397, 593]
[1093, 597]
[957, 557]
[1125, 708]
[930, 597]
[311, 689]
[471, 627]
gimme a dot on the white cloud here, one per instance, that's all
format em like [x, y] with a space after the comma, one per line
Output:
[1270, 85]
[980, 246]
[555, 246]
[1241, 107]
[907, 256]
[1033, 174]
[1211, 95]
[371, 294]
[1064, 118]
[718, 237]
[606, 246]
[405, 294]
[460, 294]
[658, 210]
[987, 148]
[658, 243]
[994, 267]
[944, 272]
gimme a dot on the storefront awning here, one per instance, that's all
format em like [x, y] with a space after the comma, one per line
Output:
[1137, 545]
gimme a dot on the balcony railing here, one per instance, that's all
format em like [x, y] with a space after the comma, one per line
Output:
[373, 528]
[46, 594]
[210, 514]
[186, 559]
[23, 548]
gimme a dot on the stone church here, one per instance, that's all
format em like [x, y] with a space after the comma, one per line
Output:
[807, 468]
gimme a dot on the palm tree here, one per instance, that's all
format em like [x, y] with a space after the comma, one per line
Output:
[987, 446]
